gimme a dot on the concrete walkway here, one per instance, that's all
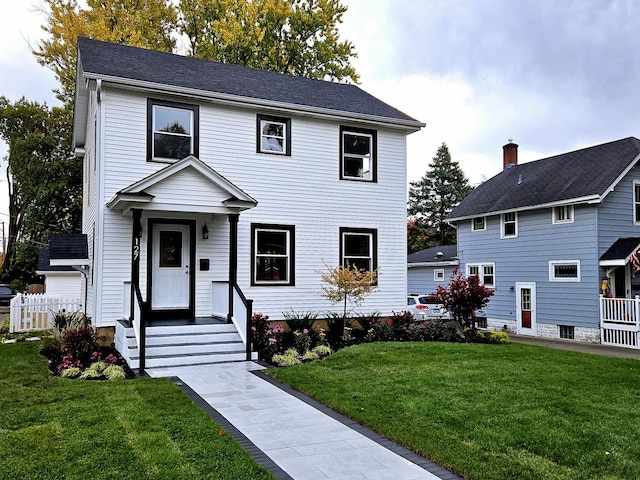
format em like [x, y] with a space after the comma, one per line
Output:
[572, 345]
[292, 435]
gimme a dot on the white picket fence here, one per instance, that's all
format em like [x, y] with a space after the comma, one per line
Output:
[35, 311]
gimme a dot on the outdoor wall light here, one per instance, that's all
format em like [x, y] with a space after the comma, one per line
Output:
[205, 232]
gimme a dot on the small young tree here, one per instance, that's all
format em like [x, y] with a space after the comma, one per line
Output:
[462, 297]
[341, 284]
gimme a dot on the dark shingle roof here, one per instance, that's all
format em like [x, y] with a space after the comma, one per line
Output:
[621, 249]
[103, 59]
[582, 173]
[44, 266]
[449, 253]
[68, 246]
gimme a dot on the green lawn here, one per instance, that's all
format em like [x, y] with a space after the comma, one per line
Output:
[53, 428]
[489, 411]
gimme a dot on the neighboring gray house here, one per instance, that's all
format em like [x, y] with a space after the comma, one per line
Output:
[556, 238]
[431, 267]
[207, 185]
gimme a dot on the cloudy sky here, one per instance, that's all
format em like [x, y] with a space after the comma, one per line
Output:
[552, 75]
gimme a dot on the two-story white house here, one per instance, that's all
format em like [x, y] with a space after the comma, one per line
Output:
[558, 239]
[207, 185]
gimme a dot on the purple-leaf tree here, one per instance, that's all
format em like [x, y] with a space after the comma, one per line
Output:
[462, 297]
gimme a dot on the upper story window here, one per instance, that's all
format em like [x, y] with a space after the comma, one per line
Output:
[172, 130]
[636, 202]
[273, 135]
[509, 225]
[484, 271]
[563, 214]
[564, 270]
[358, 246]
[272, 248]
[478, 223]
[358, 154]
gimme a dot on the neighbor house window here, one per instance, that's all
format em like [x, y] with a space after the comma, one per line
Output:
[564, 271]
[172, 130]
[478, 223]
[357, 154]
[274, 135]
[438, 274]
[272, 250]
[484, 271]
[509, 225]
[358, 247]
[567, 332]
[636, 201]
[563, 214]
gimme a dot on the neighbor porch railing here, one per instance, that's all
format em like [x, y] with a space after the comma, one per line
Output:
[35, 311]
[620, 321]
[240, 314]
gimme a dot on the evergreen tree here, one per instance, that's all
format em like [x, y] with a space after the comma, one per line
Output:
[431, 199]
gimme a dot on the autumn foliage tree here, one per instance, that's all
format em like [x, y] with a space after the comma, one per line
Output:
[343, 284]
[463, 297]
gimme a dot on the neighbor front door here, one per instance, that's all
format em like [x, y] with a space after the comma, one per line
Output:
[170, 269]
[526, 308]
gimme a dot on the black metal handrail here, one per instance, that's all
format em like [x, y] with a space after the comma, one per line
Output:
[248, 304]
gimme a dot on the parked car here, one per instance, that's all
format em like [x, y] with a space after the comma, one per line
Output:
[424, 307]
[6, 294]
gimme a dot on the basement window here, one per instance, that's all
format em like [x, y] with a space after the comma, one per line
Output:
[567, 332]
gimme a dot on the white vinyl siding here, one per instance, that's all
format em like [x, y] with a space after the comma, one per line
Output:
[312, 198]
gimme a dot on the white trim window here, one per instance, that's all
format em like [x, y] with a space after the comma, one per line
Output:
[357, 154]
[484, 271]
[438, 274]
[562, 214]
[274, 135]
[273, 252]
[564, 270]
[636, 202]
[478, 224]
[509, 225]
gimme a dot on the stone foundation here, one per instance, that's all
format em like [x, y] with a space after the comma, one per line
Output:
[547, 330]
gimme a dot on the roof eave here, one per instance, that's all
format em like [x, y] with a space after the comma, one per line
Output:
[590, 199]
[451, 263]
[409, 125]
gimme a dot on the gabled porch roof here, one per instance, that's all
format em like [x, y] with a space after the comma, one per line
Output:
[620, 253]
[175, 188]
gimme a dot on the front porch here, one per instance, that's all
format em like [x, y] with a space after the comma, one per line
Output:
[620, 321]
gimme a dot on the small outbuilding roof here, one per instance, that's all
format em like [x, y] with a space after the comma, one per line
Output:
[445, 254]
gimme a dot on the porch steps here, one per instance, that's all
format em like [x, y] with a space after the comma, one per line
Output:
[170, 346]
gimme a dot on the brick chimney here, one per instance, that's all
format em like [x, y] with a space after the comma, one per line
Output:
[509, 154]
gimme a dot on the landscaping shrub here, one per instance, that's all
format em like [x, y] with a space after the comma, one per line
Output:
[80, 343]
[488, 336]
[300, 320]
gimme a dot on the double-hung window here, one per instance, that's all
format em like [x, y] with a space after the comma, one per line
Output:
[358, 154]
[172, 130]
[478, 223]
[273, 135]
[272, 248]
[509, 225]
[484, 271]
[358, 247]
[563, 214]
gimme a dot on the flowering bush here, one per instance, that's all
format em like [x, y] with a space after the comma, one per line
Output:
[302, 340]
[462, 297]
